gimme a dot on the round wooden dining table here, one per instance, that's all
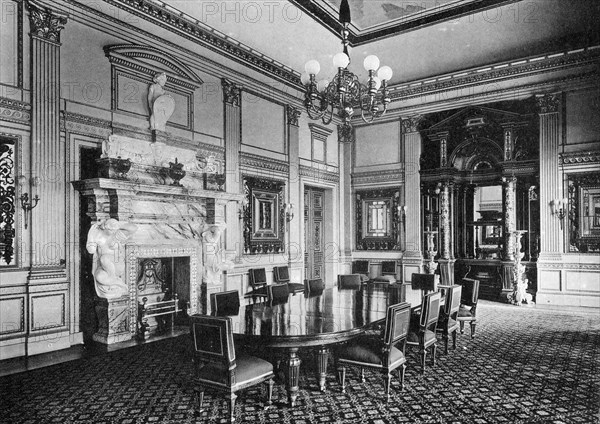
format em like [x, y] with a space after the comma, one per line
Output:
[313, 320]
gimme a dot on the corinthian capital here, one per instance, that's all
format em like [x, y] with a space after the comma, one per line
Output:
[44, 22]
[231, 93]
[411, 124]
[548, 103]
[292, 115]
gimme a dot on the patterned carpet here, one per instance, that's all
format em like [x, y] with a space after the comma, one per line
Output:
[525, 365]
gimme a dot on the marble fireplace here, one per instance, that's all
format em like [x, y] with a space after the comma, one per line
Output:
[152, 200]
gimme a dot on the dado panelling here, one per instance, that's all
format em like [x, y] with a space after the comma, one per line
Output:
[12, 318]
[582, 281]
[48, 311]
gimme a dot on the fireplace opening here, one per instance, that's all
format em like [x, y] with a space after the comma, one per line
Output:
[163, 295]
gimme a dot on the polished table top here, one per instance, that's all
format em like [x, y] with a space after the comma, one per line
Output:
[325, 317]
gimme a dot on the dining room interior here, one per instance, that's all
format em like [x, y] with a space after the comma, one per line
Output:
[300, 211]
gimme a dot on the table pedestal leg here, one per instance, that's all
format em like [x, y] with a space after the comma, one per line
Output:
[322, 357]
[292, 375]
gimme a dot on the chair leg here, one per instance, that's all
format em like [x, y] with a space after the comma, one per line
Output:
[270, 384]
[462, 327]
[200, 399]
[454, 339]
[362, 375]
[401, 372]
[232, 398]
[387, 379]
[433, 349]
[342, 377]
[445, 343]
[472, 329]
[423, 357]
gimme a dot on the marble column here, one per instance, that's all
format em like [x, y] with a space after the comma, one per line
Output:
[412, 258]
[232, 101]
[551, 242]
[48, 249]
[294, 247]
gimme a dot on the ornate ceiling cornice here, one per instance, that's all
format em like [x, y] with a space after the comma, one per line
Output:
[190, 28]
[501, 71]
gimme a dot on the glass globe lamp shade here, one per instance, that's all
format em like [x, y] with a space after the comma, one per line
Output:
[371, 63]
[322, 85]
[377, 83]
[312, 67]
[341, 60]
[304, 78]
[385, 73]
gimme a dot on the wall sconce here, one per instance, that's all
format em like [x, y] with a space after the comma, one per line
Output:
[558, 207]
[26, 203]
[289, 211]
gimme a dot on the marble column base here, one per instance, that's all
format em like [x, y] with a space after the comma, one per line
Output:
[113, 320]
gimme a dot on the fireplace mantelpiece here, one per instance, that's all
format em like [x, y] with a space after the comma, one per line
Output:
[171, 221]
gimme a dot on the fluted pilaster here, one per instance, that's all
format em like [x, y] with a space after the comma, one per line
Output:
[232, 103]
[294, 194]
[550, 183]
[412, 184]
[48, 253]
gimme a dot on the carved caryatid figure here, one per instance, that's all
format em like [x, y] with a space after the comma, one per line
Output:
[214, 261]
[105, 241]
[161, 105]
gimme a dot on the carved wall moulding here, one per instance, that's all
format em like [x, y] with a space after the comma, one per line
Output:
[319, 174]
[8, 201]
[248, 160]
[232, 94]
[14, 110]
[580, 158]
[44, 22]
[411, 124]
[263, 216]
[371, 177]
[584, 212]
[378, 220]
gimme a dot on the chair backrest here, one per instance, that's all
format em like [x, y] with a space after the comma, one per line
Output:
[470, 291]
[278, 293]
[360, 267]
[425, 282]
[225, 303]
[453, 297]
[212, 338]
[397, 323]
[281, 274]
[349, 281]
[314, 286]
[258, 277]
[430, 310]
[388, 268]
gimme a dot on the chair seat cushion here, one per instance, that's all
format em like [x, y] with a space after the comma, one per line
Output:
[413, 337]
[364, 277]
[385, 279]
[367, 350]
[465, 313]
[248, 368]
[295, 287]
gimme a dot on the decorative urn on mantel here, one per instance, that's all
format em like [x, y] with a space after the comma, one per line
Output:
[176, 173]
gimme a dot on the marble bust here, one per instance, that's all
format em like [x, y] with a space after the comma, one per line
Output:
[160, 104]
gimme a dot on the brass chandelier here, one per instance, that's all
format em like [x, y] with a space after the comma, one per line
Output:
[345, 91]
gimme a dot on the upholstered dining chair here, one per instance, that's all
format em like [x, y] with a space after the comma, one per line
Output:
[281, 274]
[468, 304]
[384, 353]
[424, 282]
[447, 323]
[349, 281]
[217, 365]
[314, 287]
[225, 303]
[361, 267]
[423, 335]
[277, 294]
[258, 281]
[388, 273]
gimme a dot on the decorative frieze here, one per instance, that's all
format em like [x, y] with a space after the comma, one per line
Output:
[580, 158]
[86, 125]
[248, 160]
[319, 174]
[385, 176]
[14, 110]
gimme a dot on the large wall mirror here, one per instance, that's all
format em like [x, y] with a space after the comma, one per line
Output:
[377, 220]
[487, 223]
[584, 213]
[263, 216]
